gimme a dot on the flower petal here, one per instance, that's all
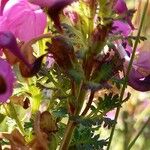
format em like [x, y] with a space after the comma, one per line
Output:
[143, 60]
[120, 7]
[29, 23]
[42, 3]
[6, 79]
[2, 5]
[142, 85]
[8, 41]
[121, 27]
[54, 8]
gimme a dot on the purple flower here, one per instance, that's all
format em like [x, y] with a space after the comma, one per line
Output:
[8, 41]
[120, 7]
[143, 60]
[140, 84]
[54, 8]
[2, 5]
[6, 80]
[23, 19]
[139, 76]
[127, 47]
[43, 3]
[121, 27]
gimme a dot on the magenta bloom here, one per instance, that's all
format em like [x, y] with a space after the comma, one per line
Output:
[138, 83]
[23, 19]
[43, 3]
[6, 80]
[8, 40]
[120, 7]
[2, 5]
[139, 76]
[121, 28]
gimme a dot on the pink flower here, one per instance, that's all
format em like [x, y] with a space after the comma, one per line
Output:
[120, 7]
[2, 5]
[143, 60]
[139, 75]
[23, 19]
[8, 41]
[121, 27]
[6, 81]
[43, 3]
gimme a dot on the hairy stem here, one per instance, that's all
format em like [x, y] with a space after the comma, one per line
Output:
[71, 124]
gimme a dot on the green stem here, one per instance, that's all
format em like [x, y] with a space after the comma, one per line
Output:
[128, 71]
[68, 136]
[138, 134]
[71, 124]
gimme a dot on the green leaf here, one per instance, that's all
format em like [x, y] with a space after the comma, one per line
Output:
[84, 138]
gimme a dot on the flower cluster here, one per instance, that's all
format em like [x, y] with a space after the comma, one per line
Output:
[88, 45]
[25, 20]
